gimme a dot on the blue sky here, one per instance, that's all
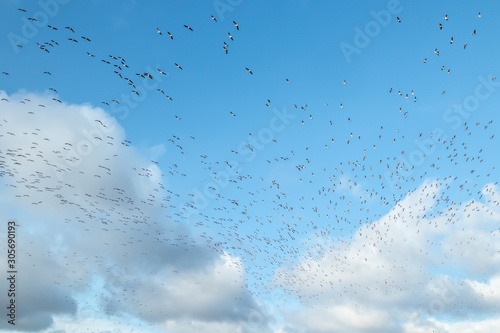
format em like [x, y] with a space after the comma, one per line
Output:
[308, 196]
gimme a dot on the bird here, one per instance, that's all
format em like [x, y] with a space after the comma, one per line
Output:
[178, 66]
[87, 39]
[213, 18]
[70, 29]
[479, 14]
[230, 37]
[51, 27]
[158, 31]
[188, 27]
[232, 114]
[249, 71]
[236, 25]
[170, 35]
[90, 55]
[399, 20]
[446, 17]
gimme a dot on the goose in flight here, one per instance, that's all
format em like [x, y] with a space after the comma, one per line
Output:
[87, 39]
[158, 30]
[170, 35]
[249, 70]
[51, 27]
[230, 37]
[236, 25]
[70, 29]
[213, 18]
[178, 66]
[188, 27]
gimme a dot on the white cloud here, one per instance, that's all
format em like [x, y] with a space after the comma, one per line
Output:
[419, 258]
[95, 243]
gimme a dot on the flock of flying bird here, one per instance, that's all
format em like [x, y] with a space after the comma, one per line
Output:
[348, 193]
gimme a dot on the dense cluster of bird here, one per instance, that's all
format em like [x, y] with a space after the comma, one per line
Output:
[349, 192]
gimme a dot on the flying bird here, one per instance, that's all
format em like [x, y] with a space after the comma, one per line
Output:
[236, 25]
[213, 18]
[188, 27]
[249, 71]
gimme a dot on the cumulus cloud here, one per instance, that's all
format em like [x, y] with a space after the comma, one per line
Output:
[418, 261]
[95, 238]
